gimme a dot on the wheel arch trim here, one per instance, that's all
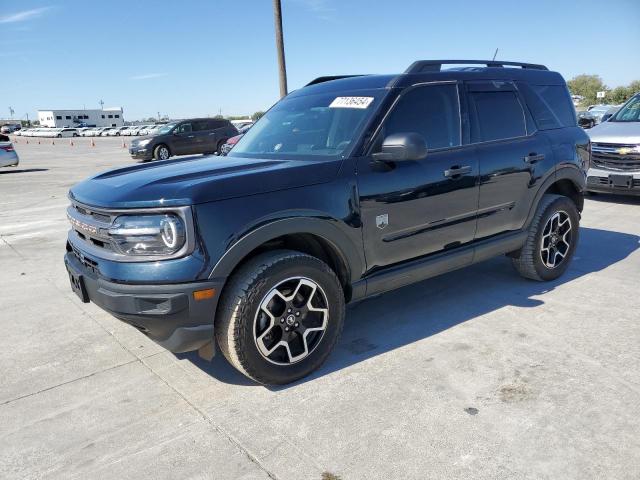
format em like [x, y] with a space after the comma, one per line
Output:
[323, 228]
[571, 173]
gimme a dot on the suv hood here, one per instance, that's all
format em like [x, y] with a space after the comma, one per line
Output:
[616, 132]
[198, 180]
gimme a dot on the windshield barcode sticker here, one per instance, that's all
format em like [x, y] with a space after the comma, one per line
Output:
[351, 102]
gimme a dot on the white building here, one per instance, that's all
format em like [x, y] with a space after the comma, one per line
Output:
[108, 117]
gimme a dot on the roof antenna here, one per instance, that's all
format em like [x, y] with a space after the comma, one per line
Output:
[494, 55]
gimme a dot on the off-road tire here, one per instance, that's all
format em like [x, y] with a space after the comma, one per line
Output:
[234, 324]
[528, 261]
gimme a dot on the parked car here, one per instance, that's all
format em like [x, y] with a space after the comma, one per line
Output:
[598, 111]
[8, 155]
[610, 113]
[116, 131]
[104, 131]
[346, 188]
[615, 165]
[10, 128]
[63, 132]
[586, 119]
[230, 143]
[129, 131]
[88, 132]
[186, 137]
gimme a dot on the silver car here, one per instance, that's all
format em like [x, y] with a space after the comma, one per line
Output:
[8, 156]
[615, 148]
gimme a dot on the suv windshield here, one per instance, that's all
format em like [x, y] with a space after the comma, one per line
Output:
[323, 125]
[629, 113]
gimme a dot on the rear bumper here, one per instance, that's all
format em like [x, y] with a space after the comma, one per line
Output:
[168, 314]
[599, 180]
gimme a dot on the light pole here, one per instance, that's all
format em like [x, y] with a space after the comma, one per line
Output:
[282, 68]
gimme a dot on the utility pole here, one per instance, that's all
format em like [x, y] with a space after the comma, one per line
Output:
[282, 68]
[11, 112]
[101, 105]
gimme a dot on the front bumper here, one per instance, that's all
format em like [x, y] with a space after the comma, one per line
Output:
[168, 314]
[601, 180]
[141, 153]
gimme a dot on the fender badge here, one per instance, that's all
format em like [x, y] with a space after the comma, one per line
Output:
[382, 221]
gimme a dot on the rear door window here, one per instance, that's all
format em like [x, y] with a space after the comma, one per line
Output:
[495, 111]
[200, 125]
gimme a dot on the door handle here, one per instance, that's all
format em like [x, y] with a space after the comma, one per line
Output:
[533, 158]
[457, 171]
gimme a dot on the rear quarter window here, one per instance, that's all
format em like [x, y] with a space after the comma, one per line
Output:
[550, 105]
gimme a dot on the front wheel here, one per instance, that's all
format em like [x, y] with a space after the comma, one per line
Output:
[280, 316]
[161, 152]
[552, 240]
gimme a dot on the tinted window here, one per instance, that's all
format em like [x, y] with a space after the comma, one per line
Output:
[200, 125]
[432, 111]
[550, 105]
[213, 124]
[495, 115]
[184, 128]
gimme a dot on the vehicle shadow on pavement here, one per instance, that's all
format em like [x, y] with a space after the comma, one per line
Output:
[24, 170]
[412, 313]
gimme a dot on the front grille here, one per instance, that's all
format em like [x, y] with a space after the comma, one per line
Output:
[610, 157]
[91, 225]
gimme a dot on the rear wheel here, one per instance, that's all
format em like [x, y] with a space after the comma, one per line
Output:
[552, 240]
[161, 152]
[219, 148]
[280, 316]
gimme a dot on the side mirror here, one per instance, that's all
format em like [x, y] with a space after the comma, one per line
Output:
[402, 146]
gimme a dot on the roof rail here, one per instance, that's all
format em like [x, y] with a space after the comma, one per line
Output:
[421, 66]
[329, 78]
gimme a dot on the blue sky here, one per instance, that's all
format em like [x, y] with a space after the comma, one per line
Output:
[199, 57]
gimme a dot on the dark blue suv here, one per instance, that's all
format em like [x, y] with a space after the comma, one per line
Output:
[347, 188]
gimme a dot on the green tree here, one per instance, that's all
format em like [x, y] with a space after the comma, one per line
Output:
[634, 87]
[619, 95]
[256, 116]
[587, 86]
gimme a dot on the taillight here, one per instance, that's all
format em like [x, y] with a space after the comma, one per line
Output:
[7, 148]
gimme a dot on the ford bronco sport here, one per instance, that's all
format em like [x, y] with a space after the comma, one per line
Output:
[347, 188]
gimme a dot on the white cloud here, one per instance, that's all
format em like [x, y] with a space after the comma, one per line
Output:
[146, 76]
[24, 15]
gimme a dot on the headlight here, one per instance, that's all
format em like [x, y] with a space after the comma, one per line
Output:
[148, 234]
[142, 143]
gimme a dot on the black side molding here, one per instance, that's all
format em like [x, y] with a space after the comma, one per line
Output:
[437, 264]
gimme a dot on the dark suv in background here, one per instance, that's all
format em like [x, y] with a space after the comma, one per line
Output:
[346, 188]
[186, 137]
